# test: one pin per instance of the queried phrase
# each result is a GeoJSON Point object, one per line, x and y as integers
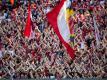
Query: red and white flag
{"type": "Point", "coordinates": [57, 19]}
{"type": "Point", "coordinates": [28, 32]}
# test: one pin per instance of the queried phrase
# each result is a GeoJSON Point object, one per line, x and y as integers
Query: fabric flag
{"type": "Point", "coordinates": [28, 27]}
{"type": "Point", "coordinates": [12, 2]}
{"type": "Point", "coordinates": [58, 19]}
{"type": "Point", "coordinates": [96, 32]}
{"type": "Point", "coordinates": [3, 2]}
{"type": "Point", "coordinates": [69, 19]}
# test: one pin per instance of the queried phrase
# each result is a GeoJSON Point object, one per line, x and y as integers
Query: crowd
{"type": "Point", "coordinates": [44, 56]}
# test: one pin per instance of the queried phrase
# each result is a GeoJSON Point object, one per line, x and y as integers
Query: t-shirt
{"type": "Point", "coordinates": [12, 53]}
{"type": "Point", "coordinates": [1, 54]}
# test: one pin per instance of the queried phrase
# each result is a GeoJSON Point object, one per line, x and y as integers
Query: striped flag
{"type": "Point", "coordinates": [58, 18]}
{"type": "Point", "coordinates": [69, 19]}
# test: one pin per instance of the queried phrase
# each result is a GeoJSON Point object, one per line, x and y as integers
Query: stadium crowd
{"type": "Point", "coordinates": [44, 56]}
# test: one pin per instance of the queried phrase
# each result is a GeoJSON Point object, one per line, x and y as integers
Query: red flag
{"type": "Point", "coordinates": [12, 2]}
{"type": "Point", "coordinates": [58, 22]}
{"type": "Point", "coordinates": [28, 27]}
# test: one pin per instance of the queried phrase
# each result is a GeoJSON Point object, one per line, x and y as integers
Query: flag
{"type": "Point", "coordinates": [58, 19]}
{"type": "Point", "coordinates": [96, 32]}
{"type": "Point", "coordinates": [70, 23]}
{"type": "Point", "coordinates": [3, 2]}
{"type": "Point", "coordinates": [12, 2]}
{"type": "Point", "coordinates": [28, 30]}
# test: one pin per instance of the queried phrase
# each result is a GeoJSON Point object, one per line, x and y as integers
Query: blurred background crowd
{"type": "Point", "coordinates": [44, 56]}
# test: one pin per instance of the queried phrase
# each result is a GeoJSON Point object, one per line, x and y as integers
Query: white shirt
{"type": "Point", "coordinates": [82, 45]}
{"type": "Point", "coordinates": [1, 54]}
{"type": "Point", "coordinates": [11, 53]}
